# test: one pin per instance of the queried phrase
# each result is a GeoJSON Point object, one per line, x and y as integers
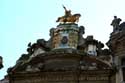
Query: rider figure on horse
{"type": "Point", "coordinates": [68, 17]}
{"type": "Point", "coordinates": [67, 12]}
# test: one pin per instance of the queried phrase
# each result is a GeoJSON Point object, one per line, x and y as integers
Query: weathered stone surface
{"type": "Point", "coordinates": [101, 76]}
{"type": "Point", "coordinates": [67, 57]}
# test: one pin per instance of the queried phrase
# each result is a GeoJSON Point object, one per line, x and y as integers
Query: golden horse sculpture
{"type": "Point", "coordinates": [71, 19]}
{"type": "Point", "coordinates": [68, 17]}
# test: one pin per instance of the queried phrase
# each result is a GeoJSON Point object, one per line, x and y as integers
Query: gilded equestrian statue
{"type": "Point", "coordinates": [68, 17]}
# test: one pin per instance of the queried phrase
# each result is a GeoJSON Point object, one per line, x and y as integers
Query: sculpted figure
{"type": "Point", "coordinates": [81, 40]}
{"type": "Point", "coordinates": [115, 23]}
{"type": "Point", "coordinates": [68, 17]}
{"type": "Point", "coordinates": [51, 32]}
{"type": "Point", "coordinates": [81, 31]}
{"type": "Point", "coordinates": [67, 12]}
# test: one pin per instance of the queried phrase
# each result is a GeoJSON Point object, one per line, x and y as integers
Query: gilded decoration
{"type": "Point", "coordinates": [68, 17]}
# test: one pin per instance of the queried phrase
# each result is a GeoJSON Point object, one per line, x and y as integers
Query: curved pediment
{"type": "Point", "coordinates": [63, 60]}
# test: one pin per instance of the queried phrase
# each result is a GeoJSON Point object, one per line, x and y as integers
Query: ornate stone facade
{"type": "Point", "coordinates": [117, 47]}
{"type": "Point", "coordinates": [67, 57]}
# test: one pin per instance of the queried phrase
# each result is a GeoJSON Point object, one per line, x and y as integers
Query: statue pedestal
{"type": "Point", "coordinates": [65, 36]}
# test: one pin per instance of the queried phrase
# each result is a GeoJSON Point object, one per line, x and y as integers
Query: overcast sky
{"type": "Point", "coordinates": [24, 21]}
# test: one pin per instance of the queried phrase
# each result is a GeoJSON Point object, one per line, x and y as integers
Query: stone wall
{"type": "Point", "coordinates": [64, 77]}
